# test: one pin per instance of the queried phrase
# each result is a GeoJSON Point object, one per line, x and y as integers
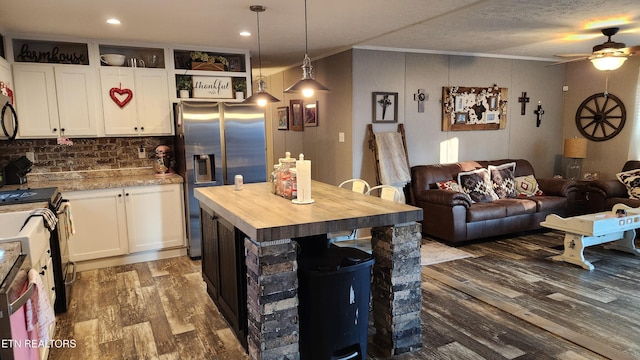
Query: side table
{"type": "Point", "coordinates": [581, 203]}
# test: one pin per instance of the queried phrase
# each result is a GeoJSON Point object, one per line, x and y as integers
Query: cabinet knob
{"type": "Point", "coordinates": [54, 130]}
{"type": "Point", "coordinates": [135, 128]}
{"type": "Point", "coordinates": [127, 194]}
{"type": "Point", "coordinates": [53, 288]}
{"type": "Point", "coordinates": [44, 267]}
{"type": "Point", "coordinates": [62, 130]}
{"type": "Point", "coordinates": [119, 195]}
{"type": "Point", "coordinates": [142, 128]}
{"type": "Point", "coordinates": [41, 272]}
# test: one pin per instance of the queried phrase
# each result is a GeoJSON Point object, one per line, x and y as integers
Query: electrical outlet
{"type": "Point", "coordinates": [31, 156]}
{"type": "Point", "coordinates": [142, 153]}
{"type": "Point", "coordinates": [340, 137]}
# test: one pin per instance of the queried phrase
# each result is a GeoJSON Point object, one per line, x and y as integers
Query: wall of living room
{"type": "Point", "coordinates": [331, 159]}
{"type": "Point", "coordinates": [405, 73]}
{"type": "Point", "coordinates": [606, 157]}
{"type": "Point", "coordinates": [355, 74]}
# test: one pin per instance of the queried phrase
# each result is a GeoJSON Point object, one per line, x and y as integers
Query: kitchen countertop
{"type": "Point", "coordinates": [9, 253]}
{"type": "Point", "coordinates": [99, 179]}
{"type": "Point", "coordinates": [264, 216]}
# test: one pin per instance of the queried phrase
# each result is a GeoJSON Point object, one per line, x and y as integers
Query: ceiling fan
{"type": "Point", "coordinates": [609, 55]}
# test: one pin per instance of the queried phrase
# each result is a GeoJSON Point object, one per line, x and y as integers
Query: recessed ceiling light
{"type": "Point", "coordinates": [113, 21]}
{"type": "Point", "coordinates": [245, 33]}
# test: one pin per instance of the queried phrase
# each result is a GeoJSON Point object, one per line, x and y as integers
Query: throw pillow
{"type": "Point", "coordinates": [477, 184]}
{"type": "Point", "coordinates": [449, 185]}
{"type": "Point", "coordinates": [503, 180]}
{"type": "Point", "coordinates": [527, 186]}
{"type": "Point", "coordinates": [631, 179]}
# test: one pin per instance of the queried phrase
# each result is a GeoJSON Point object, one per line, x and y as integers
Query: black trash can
{"type": "Point", "coordinates": [334, 294]}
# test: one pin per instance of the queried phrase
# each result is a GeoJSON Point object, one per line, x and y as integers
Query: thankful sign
{"type": "Point", "coordinates": [212, 87]}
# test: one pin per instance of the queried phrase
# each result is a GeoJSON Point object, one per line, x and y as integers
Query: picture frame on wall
{"type": "Point", "coordinates": [296, 115]}
{"type": "Point", "coordinates": [385, 107]}
{"type": "Point", "coordinates": [283, 118]}
{"type": "Point", "coordinates": [311, 115]}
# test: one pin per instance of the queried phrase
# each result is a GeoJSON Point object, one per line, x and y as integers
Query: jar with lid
{"type": "Point", "coordinates": [282, 178]}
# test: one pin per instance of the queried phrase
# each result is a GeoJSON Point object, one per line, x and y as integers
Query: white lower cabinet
{"type": "Point", "coordinates": [155, 217]}
{"type": "Point", "coordinates": [121, 221]}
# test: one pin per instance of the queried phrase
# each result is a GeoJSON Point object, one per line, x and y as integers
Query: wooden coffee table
{"type": "Point", "coordinates": [593, 229]}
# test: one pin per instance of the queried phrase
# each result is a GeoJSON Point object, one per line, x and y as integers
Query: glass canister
{"type": "Point", "coordinates": [282, 179]}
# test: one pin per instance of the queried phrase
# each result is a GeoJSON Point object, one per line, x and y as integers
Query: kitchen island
{"type": "Point", "coordinates": [270, 226]}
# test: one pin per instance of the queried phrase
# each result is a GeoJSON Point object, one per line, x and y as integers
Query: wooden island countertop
{"type": "Point", "coordinates": [264, 216]}
{"type": "Point", "coordinates": [271, 225]}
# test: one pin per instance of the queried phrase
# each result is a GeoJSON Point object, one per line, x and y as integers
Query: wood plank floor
{"type": "Point", "coordinates": [510, 301]}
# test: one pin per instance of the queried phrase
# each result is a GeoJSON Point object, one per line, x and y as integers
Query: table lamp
{"type": "Point", "coordinates": [574, 149]}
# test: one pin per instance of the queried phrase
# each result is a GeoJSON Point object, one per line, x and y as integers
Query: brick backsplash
{"type": "Point", "coordinates": [84, 154]}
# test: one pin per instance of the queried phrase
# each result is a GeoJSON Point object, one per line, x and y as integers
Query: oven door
{"type": "Point", "coordinates": [66, 275]}
{"type": "Point", "coordinates": [13, 296]}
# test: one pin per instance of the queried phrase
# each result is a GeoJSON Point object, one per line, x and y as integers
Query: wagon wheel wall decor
{"type": "Point", "coordinates": [601, 117]}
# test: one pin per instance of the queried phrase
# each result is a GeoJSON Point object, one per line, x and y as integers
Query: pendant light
{"type": "Point", "coordinates": [261, 96]}
{"type": "Point", "coordinates": [307, 85]}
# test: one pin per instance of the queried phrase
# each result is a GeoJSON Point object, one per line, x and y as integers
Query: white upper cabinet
{"type": "Point", "coordinates": [135, 101]}
{"type": "Point", "coordinates": [56, 100]}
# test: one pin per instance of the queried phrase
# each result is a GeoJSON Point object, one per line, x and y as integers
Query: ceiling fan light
{"type": "Point", "coordinates": [607, 63]}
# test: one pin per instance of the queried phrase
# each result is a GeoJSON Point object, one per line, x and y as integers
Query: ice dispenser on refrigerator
{"type": "Point", "coordinates": [202, 168]}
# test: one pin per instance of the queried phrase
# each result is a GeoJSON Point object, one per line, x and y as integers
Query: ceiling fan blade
{"type": "Point", "coordinates": [572, 55]}
{"type": "Point", "coordinates": [632, 49]}
{"type": "Point", "coordinates": [568, 61]}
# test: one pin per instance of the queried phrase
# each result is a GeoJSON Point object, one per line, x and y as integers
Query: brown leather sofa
{"type": "Point", "coordinates": [451, 216]}
{"type": "Point", "coordinates": [603, 194]}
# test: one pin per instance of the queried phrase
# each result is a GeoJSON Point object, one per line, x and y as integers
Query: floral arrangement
{"type": "Point", "coordinates": [206, 58]}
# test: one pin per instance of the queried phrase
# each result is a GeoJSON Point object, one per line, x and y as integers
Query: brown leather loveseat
{"type": "Point", "coordinates": [603, 194]}
{"type": "Point", "coordinates": [453, 217]}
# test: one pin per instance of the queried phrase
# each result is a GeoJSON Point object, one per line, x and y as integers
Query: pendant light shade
{"type": "Point", "coordinates": [307, 85]}
{"type": "Point", "coordinates": [261, 96]}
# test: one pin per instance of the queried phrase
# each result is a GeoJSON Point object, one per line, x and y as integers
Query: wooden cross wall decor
{"type": "Point", "coordinates": [523, 100]}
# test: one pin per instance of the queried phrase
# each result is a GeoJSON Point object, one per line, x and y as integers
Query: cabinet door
{"type": "Point", "coordinates": [155, 217]}
{"type": "Point", "coordinates": [77, 92]}
{"type": "Point", "coordinates": [45, 268]}
{"type": "Point", "coordinates": [36, 102]}
{"type": "Point", "coordinates": [100, 221]}
{"type": "Point", "coordinates": [119, 120]}
{"type": "Point", "coordinates": [228, 296]}
{"type": "Point", "coordinates": [210, 255]}
{"type": "Point", "coordinates": [152, 100]}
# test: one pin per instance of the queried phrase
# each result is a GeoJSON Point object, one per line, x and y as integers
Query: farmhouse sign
{"type": "Point", "coordinates": [212, 87]}
{"type": "Point", "coordinates": [51, 52]}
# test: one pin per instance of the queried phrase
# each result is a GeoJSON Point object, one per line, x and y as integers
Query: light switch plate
{"type": "Point", "coordinates": [340, 137]}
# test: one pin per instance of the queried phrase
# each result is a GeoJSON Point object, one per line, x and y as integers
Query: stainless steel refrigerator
{"type": "Point", "coordinates": [214, 142]}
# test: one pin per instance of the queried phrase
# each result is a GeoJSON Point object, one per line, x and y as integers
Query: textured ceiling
{"type": "Point", "coordinates": [511, 28]}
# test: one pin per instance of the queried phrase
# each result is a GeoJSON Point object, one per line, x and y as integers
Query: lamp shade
{"type": "Point", "coordinates": [575, 148]}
